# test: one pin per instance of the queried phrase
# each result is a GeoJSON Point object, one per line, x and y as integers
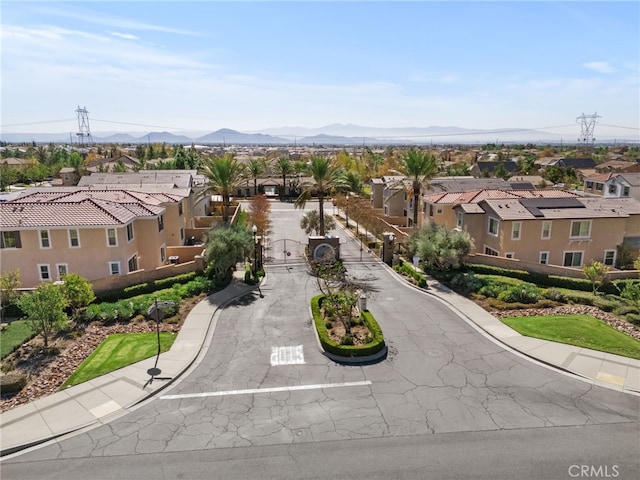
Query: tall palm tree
{"type": "Point", "coordinates": [284, 168]}
{"type": "Point", "coordinates": [325, 177]}
{"type": "Point", "coordinates": [225, 174]}
{"type": "Point", "coordinates": [255, 168]}
{"type": "Point", "coordinates": [420, 167]}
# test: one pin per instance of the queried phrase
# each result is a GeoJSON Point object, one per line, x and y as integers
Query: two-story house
{"type": "Point", "coordinates": [94, 233]}
{"type": "Point", "coordinates": [613, 185]}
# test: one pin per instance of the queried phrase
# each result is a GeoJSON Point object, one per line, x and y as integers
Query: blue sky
{"type": "Point", "coordinates": [251, 65]}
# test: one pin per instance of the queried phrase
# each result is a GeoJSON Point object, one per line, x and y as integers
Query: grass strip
{"type": "Point", "coordinates": [117, 351]}
{"type": "Point", "coordinates": [579, 330]}
{"type": "Point", "coordinates": [14, 335]}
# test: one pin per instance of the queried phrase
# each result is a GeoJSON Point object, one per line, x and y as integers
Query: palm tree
{"type": "Point", "coordinates": [284, 168]}
{"type": "Point", "coordinates": [255, 168]}
{"type": "Point", "coordinates": [325, 177]}
{"type": "Point", "coordinates": [420, 167]}
{"type": "Point", "coordinates": [225, 175]}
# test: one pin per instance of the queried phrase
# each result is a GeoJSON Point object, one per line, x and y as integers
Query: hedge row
{"type": "Point", "coordinates": [329, 345]}
{"type": "Point", "coordinates": [147, 287]}
{"type": "Point", "coordinates": [544, 280]}
{"type": "Point", "coordinates": [409, 271]}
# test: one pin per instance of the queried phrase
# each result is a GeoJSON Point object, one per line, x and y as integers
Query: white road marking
{"type": "Point", "coordinates": [251, 391]}
{"type": "Point", "coordinates": [287, 355]}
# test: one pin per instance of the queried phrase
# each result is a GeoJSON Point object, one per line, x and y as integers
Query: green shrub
{"type": "Point", "coordinates": [524, 293]}
{"type": "Point", "coordinates": [347, 340]}
{"type": "Point", "coordinates": [467, 282]}
{"type": "Point", "coordinates": [329, 345]}
{"type": "Point", "coordinates": [555, 294]}
{"type": "Point", "coordinates": [605, 305]}
{"type": "Point", "coordinates": [406, 269]}
{"type": "Point", "coordinates": [623, 310]}
{"type": "Point", "coordinates": [633, 318]}
{"type": "Point", "coordinates": [491, 290]}
{"type": "Point", "coordinates": [145, 288]}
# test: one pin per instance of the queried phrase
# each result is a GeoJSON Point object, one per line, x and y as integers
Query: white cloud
{"type": "Point", "coordinates": [126, 36]}
{"type": "Point", "coordinates": [600, 67]}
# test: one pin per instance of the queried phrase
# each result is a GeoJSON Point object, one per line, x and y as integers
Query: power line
{"type": "Point", "coordinates": [619, 126]}
{"type": "Point", "coordinates": [36, 123]}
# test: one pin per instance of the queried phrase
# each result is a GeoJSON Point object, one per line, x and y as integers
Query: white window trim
{"type": "Point", "coordinates": [513, 230]}
{"type": "Point", "coordinates": [497, 220]}
{"type": "Point", "coordinates": [40, 265]}
{"type": "Point", "coordinates": [459, 220]}
{"type": "Point", "coordinates": [116, 237]}
{"type": "Point", "coordinates": [163, 249]}
{"type": "Point", "coordinates": [511, 255]}
{"type": "Point", "coordinates": [484, 250]}
{"type": "Point", "coordinates": [580, 237]}
{"type": "Point", "coordinates": [119, 269]}
{"type": "Point", "coordinates": [78, 237]}
{"type": "Point", "coordinates": [133, 232]}
{"type": "Point", "coordinates": [137, 262]}
{"type": "Point", "coordinates": [546, 253]}
{"type": "Point", "coordinates": [581, 252]}
{"type": "Point", "coordinates": [604, 257]}
{"type": "Point", "coordinates": [66, 269]}
{"type": "Point", "coordinates": [48, 238]}
{"type": "Point", "coordinates": [542, 237]}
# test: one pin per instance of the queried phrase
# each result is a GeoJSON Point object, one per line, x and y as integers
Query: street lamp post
{"type": "Point", "coordinates": [347, 208]}
{"type": "Point", "coordinates": [254, 229]}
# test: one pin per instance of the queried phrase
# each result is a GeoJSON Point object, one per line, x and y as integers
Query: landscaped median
{"type": "Point", "coordinates": [372, 351]}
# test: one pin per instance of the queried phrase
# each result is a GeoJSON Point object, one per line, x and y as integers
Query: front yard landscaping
{"type": "Point", "coordinates": [579, 330]}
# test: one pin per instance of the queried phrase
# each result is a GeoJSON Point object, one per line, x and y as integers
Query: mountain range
{"type": "Point", "coordinates": [335, 134]}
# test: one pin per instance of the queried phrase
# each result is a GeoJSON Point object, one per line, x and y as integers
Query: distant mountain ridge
{"type": "Point", "coordinates": [334, 134]}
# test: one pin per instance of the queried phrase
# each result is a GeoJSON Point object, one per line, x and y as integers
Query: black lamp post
{"type": "Point", "coordinates": [254, 229]}
{"type": "Point", "coordinates": [347, 208]}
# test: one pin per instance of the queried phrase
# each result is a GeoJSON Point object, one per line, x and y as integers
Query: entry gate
{"type": "Point", "coordinates": [285, 250]}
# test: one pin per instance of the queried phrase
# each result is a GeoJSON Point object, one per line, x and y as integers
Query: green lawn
{"type": "Point", "coordinates": [117, 351]}
{"type": "Point", "coordinates": [13, 335]}
{"type": "Point", "coordinates": [580, 330]}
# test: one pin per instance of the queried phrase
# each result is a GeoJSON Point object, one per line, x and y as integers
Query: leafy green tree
{"type": "Point", "coordinates": [596, 273]}
{"type": "Point", "coordinates": [44, 310]}
{"type": "Point", "coordinates": [325, 177]}
{"type": "Point", "coordinates": [310, 222]}
{"type": "Point", "coordinates": [9, 284]}
{"type": "Point", "coordinates": [420, 167]}
{"type": "Point", "coordinates": [631, 292]}
{"type": "Point", "coordinates": [225, 246]}
{"type": "Point", "coordinates": [180, 158]}
{"type": "Point", "coordinates": [193, 157]}
{"type": "Point", "coordinates": [77, 292]}
{"type": "Point", "coordinates": [501, 172]}
{"type": "Point", "coordinates": [8, 176]}
{"type": "Point", "coordinates": [225, 174]}
{"type": "Point", "coordinates": [353, 182]}
{"type": "Point", "coordinates": [440, 248]}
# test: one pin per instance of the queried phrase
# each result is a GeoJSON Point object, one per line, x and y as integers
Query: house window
{"type": "Point", "coordinates": [494, 225]}
{"type": "Point", "coordinates": [590, 185]}
{"type": "Point", "coordinates": [180, 207]}
{"type": "Point", "coordinates": [112, 237]}
{"type": "Point", "coordinates": [130, 232]}
{"type": "Point", "coordinates": [43, 270]}
{"type": "Point", "coordinates": [161, 223]}
{"type": "Point", "coordinates": [599, 187]}
{"type": "Point", "coordinates": [10, 240]}
{"type": "Point", "coordinates": [181, 233]}
{"type": "Point", "coordinates": [490, 251]}
{"type": "Point", "coordinates": [45, 241]}
{"type": "Point", "coordinates": [613, 189]}
{"type": "Point", "coordinates": [509, 255]}
{"type": "Point", "coordinates": [516, 229]}
{"type": "Point", "coordinates": [439, 210]}
{"type": "Point", "coordinates": [460, 220]}
{"type": "Point", "coordinates": [74, 238]}
{"type": "Point", "coordinates": [580, 229]}
{"type": "Point", "coordinates": [572, 259]}
{"type": "Point", "coordinates": [61, 270]}
{"type": "Point", "coordinates": [163, 254]}
{"type": "Point", "coordinates": [431, 210]}
{"type": "Point", "coordinates": [625, 191]}
{"type": "Point", "coordinates": [546, 230]}
{"type": "Point", "coordinates": [609, 257]}
{"type": "Point", "coordinates": [114, 268]}
{"type": "Point", "coordinates": [132, 263]}
{"type": "Point", "coordinates": [544, 258]}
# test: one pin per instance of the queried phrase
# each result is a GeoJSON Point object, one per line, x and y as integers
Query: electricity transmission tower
{"type": "Point", "coordinates": [84, 132]}
{"type": "Point", "coordinates": [587, 124]}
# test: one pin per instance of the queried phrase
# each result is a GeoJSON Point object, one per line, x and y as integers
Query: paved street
{"type": "Point", "coordinates": [262, 400]}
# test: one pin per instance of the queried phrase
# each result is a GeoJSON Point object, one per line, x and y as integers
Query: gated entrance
{"type": "Point", "coordinates": [285, 250]}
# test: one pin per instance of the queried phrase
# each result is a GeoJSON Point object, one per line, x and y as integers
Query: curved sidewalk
{"type": "Point", "coordinates": [108, 397]}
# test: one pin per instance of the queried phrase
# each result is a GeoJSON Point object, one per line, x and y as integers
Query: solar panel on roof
{"type": "Point", "coordinates": [535, 205]}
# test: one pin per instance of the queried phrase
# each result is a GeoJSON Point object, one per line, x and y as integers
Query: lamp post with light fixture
{"type": "Point", "coordinates": [347, 208]}
{"type": "Point", "coordinates": [254, 229]}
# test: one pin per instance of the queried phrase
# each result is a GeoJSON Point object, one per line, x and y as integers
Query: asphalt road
{"type": "Point", "coordinates": [263, 402]}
